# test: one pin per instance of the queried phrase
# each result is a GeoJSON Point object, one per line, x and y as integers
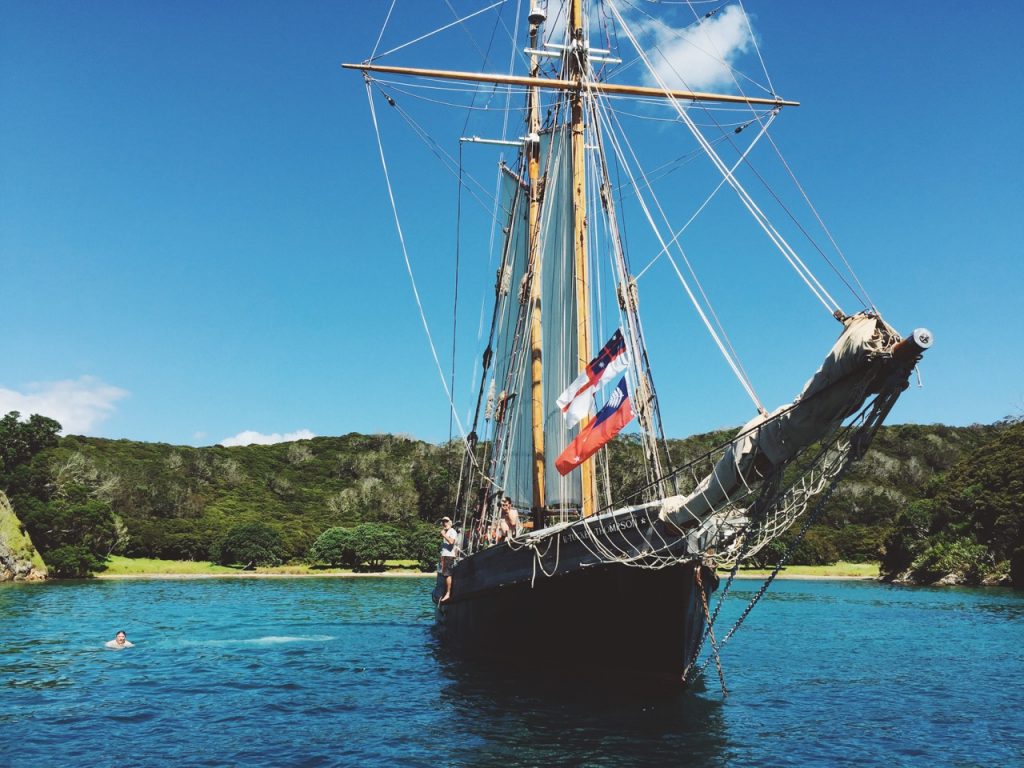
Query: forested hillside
{"type": "Point", "coordinates": [175, 502]}
{"type": "Point", "coordinates": [966, 525]}
{"type": "Point", "coordinates": [919, 487]}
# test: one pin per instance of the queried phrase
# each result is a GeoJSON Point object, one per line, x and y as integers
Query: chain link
{"type": "Point", "coordinates": [859, 444]}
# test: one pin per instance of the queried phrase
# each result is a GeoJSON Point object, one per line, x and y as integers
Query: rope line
{"type": "Point", "coordinates": [380, 36]}
{"type": "Point", "coordinates": [733, 363]}
{"type": "Point", "coordinates": [408, 265]}
{"type": "Point", "coordinates": [805, 274]}
{"type": "Point", "coordinates": [436, 31]}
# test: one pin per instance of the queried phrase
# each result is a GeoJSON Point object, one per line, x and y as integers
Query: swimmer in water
{"type": "Point", "coordinates": [120, 641]}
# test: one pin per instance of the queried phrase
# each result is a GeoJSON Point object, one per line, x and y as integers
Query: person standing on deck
{"type": "Point", "coordinates": [449, 548]}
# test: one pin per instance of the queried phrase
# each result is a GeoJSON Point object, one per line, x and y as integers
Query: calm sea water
{"type": "Point", "coordinates": [310, 672]}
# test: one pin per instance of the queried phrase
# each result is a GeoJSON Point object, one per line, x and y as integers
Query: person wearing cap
{"type": "Point", "coordinates": [449, 548]}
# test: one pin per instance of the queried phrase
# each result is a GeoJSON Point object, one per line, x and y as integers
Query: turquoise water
{"type": "Point", "coordinates": [321, 672]}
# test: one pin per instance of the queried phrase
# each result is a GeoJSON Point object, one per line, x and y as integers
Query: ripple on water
{"type": "Point", "coordinates": [345, 672]}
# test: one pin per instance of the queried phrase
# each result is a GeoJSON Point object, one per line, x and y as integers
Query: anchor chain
{"type": "Point", "coordinates": [711, 631]}
{"type": "Point", "coordinates": [859, 444]}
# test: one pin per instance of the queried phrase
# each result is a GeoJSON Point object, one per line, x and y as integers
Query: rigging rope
{"type": "Point", "coordinates": [408, 265]}
{"type": "Point", "coordinates": [380, 36]}
{"type": "Point", "coordinates": [737, 369]}
{"type": "Point", "coordinates": [757, 48]}
{"type": "Point", "coordinates": [440, 29]}
{"type": "Point", "coordinates": [861, 297]}
{"type": "Point", "coordinates": [455, 300]}
{"type": "Point", "coordinates": [805, 274]}
{"type": "Point", "coordinates": [707, 201]}
{"type": "Point", "coordinates": [450, 164]}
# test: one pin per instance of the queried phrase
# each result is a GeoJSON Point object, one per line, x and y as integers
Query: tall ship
{"type": "Point", "coordinates": [583, 541]}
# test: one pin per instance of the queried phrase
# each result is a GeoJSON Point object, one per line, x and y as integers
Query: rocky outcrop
{"type": "Point", "coordinates": [1001, 577]}
{"type": "Point", "coordinates": [19, 560]}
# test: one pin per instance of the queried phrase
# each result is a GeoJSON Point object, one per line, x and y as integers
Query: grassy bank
{"type": "Point", "coordinates": [15, 538]}
{"type": "Point", "coordinates": [144, 566]}
{"type": "Point", "coordinates": [840, 570]}
{"type": "Point", "coordinates": [147, 566]}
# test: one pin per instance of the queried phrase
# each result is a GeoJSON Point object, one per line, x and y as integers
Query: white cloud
{"type": "Point", "coordinates": [249, 437]}
{"type": "Point", "coordinates": [78, 404]}
{"type": "Point", "coordinates": [698, 57]}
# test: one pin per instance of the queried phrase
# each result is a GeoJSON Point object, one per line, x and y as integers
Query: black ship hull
{"type": "Point", "coordinates": [573, 609]}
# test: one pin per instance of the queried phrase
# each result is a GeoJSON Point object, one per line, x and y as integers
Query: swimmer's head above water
{"type": "Point", "coordinates": [120, 640]}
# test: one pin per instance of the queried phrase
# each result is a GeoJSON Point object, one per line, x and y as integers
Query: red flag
{"type": "Point", "coordinates": [616, 414]}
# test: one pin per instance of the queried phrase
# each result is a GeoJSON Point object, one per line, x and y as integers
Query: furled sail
{"type": "Point", "coordinates": [514, 449]}
{"type": "Point", "coordinates": [768, 441]}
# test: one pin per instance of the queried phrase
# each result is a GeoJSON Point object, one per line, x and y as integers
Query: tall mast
{"type": "Point", "coordinates": [575, 81]}
{"type": "Point", "coordinates": [536, 18]}
{"type": "Point", "coordinates": [576, 66]}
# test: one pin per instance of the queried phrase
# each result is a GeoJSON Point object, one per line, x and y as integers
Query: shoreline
{"type": "Point", "coordinates": [403, 575]}
{"type": "Point", "coordinates": [258, 575]}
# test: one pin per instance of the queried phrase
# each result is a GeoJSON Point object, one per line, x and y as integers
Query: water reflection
{"type": "Point", "coordinates": [503, 716]}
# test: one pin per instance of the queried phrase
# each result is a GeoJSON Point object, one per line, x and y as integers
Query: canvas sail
{"type": "Point", "coordinates": [511, 412]}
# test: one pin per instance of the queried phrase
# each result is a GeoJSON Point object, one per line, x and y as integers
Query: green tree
{"type": "Point", "coordinates": [335, 546]}
{"type": "Point", "coordinates": [252, 543]}
{"type": "Point", "coordinates": [966, 561]}
{"type": "Point", "coordinates": [907, 539]}
{"type": "Point", "coordinates": [377, 500]}
{"type": "Point", "coordinates": [65, 527]}
{"type": "Point", "coordinates": [21, 440]}
{"type": "Point", "coordinates": [374, 543]}
{"type": "Point", "coordinates": [72, 562]}
{"type": "Point", "coordinates": [972, 522]}
{"type": "Point", "coordinates": [423, 544]}
{"type": "Point", "coordinates": [815, 549]}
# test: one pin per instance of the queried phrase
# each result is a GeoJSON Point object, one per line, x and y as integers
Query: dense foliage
{"type": "Point", "coordinates": [334, 547]}
{"type": "Point", "coordinates": [366, 545]}
{"type": "Point", "coordinates": [925, 500]}
{"type": "Point", "coordinates": [969, 524]}
{"type": "Point", "coordinates": [250, 544]}
{"type": "Point", "coordinates": [73, 529]}
{"type": "Point", "coordinates": [854, 525]}
{"type": "Point", "coordinates": [179, 502]}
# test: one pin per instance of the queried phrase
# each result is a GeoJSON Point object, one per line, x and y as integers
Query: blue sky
{"type": "Point", "coordinates": [196, 241]}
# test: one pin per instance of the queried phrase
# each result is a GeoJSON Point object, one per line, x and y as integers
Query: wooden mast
{"type": "Point", "coordinates": [576, 66]}
{"type": "Point", "coordinates": [576, 69]}
{"type": "Point", "coordinates": [534, 267]}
